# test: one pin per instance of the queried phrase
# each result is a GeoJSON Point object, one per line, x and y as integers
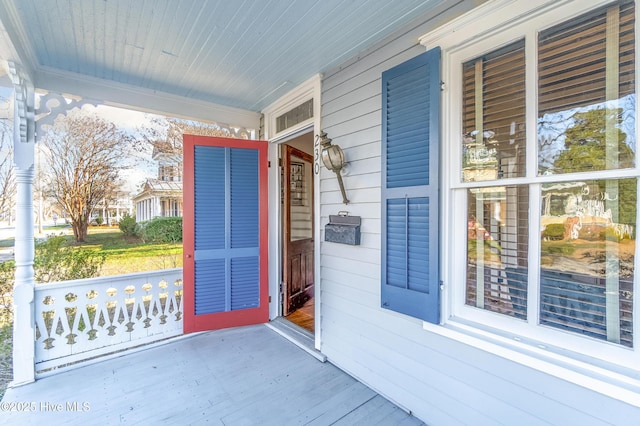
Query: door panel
{"type": "Point", "coordinates": [224, 233]}
{"type": "Point", "coordinates": [298, 226]}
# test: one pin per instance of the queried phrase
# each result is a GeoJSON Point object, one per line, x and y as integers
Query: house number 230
{"type": "Point", "coordinates": [316, 156]}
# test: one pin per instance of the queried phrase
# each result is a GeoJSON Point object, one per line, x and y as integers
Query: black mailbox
{"type": "Point", "coordinates": [343, 229]}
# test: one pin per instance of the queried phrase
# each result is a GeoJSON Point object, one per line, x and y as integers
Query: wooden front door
{"type": "Point", "coordinates": [224, 233]}
{"type": "Point", "coordinates": [298, 268]}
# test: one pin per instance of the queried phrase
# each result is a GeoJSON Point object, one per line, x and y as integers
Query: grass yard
{"type": "Point", "coordinates": [124, 255]}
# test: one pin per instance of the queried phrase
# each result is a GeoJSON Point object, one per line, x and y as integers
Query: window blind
{"type": "Point", "coordinates": [586, 85]}
{"type": "Point", "coordinates": [494, 115]}
{"type": "Point", "coordinates": [586, 122]}
{"type": "Point", "coordinates": [497, 240]}
{"type": "Point", "coordinates": [572, 60]}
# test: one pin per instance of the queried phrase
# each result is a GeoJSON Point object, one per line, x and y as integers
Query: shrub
{"type": "Point", "coordinates": [553, 231]}
{"type": "Point", "coordinates": [99, 220]}
{"type": "Point", "coordinates": [55, 261]}
{"type": "Point", "coordinates": [163, 230]}
{"type": "Point", "coordinates": [7, 271]}
{"type": "Point", "coordinates": [128, 226]}
{"type": "Point", "coordinates": [610, 234]}
{"type": "Point", "coordinates": [563, 249]}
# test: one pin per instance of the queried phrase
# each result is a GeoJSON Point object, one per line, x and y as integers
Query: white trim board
{"type": "Point", "coordinates": [137, 98]}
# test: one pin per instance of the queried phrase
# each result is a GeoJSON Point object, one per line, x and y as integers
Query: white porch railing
{"type": "Point", "coordinates": [81, 319]}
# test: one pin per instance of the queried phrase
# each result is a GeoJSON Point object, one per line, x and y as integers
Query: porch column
{"type": "Point", "coordinates": [23, 291]}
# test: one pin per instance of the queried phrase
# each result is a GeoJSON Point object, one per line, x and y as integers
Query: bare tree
{"type": "Point", "coordinates": [7, 180]}
{"type": "Point", "coordinates": [165, 134]}
{"type": "Point", "coordinates": [40, 189]}
{"type": "Point", "coordinates": [7, 184]}
{"type": "Point", "coordinates": [84, 155]}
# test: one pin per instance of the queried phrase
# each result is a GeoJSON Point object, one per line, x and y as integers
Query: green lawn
{"type": "Point", "coordinates": [126, 255]}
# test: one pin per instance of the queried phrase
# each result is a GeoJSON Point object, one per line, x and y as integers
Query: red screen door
{"type": "Point", "coordinates": [224, 233]}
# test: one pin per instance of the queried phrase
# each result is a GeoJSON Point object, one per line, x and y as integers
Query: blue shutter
{"type": "Point", "coordinates": [226, 222]}
{"type": "Point", "coordinates": [245, 228]}
{"type": "Point", "coordinates": [410, 187]}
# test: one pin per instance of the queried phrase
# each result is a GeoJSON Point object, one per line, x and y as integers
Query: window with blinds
{"type": "Point", "coordinates": [586, 123]}
{"type": "Point", "coordinates": [497, 240]}
{"type": "Point", "coordinates": [582, 269]}
{"type": "Point", "coordinates": [493, 115]}
{"type": "Point", "coordinates": [587, 257]}
{"type": "Point", "coordinates": [493, 118]}
{"type": "Point", "coordinates": [586, 92]}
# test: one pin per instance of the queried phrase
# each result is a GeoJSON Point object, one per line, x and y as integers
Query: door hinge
{"type": "Point", "coordinates": [280, 162]}
{"type": "Point", "coordinates": [269, 164]}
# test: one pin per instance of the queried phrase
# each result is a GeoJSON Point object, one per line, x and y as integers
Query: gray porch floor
{"type": "Point", "coordinates": [241, 376]}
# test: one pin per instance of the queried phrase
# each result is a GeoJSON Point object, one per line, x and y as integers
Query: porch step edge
{"type": "Point", "coordinates": [297, 336]}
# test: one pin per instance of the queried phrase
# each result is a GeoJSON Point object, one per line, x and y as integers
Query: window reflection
{"type": "Point", "coordinates": [493, 116]}
{"type": "Point", "coordinates": [587, 139]}
{"type": "Point", "coordinates": [497, 235]}
{"type": "Point", "coordinates": [586, 114]}
{"type": "Point", "coordinates": [586, 93]}
{"type": "Point", "coordinates": [587, 257]}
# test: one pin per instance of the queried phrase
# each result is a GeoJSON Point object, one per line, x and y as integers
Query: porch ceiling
{"type": "Point", "coordinates": [242, 54]}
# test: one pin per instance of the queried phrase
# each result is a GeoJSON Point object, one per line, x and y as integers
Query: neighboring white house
{"type": "Point", "coordinates": [161, 197]}
{"type": "Point", "coordinates": [112, 210]}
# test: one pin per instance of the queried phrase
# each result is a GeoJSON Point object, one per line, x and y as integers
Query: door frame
{"type": "Point", "coordinates": [276, 229]}
{"type": "Point", "coordinates": [311, 89]}
{"type": "Point", "coordinates": [289, 151]}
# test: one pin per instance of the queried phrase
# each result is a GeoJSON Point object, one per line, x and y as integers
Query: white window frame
{"type": "Point", "coordinates": [608, 368]}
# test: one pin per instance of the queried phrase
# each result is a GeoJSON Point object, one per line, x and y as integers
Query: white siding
{"type": "Point", "coordinates": [440, 380]}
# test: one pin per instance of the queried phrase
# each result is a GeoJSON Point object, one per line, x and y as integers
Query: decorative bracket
{"type": "Point", "coordinates": [24, 116]}
{"type": "Point", "coordinates": [53, 105]}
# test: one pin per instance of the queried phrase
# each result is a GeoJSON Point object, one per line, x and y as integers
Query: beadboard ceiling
{"type": "Point", "coordinates": [237, 53]}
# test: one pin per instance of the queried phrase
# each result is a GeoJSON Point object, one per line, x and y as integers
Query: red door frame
{"type": "Point", "coordinates": [259, 315]}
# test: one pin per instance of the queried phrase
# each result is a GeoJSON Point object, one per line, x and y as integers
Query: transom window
{"type": "Point", "coordinates": [551, 209]}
